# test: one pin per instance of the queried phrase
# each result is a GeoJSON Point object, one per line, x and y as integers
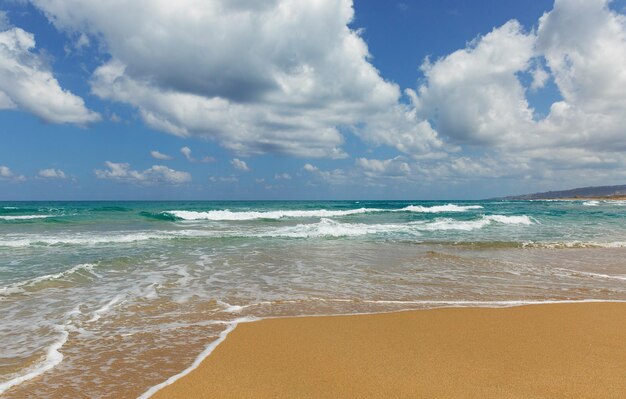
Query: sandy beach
{"type": "Point", "coordinates": [538, 351]}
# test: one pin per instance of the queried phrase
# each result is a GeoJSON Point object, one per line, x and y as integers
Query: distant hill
{"type": "Point", "coordinates": [583, 192]}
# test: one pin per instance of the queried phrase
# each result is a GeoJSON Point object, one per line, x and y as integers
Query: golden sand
{"type": "Point", "coordinates": [538, 351]}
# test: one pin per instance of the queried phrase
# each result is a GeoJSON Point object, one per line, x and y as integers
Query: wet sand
{"type": "Point", "coordinates": [537, 351]}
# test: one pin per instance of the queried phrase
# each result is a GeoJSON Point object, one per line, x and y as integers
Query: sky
{"type": "Point", "coordinates": [319, 99]}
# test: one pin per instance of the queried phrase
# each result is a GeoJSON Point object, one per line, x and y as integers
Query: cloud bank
{"type": "Point", "coordinates": [284, 76]}
{"type": "Point", "coordinates": [292, 77]}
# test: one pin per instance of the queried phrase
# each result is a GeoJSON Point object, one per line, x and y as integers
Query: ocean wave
{"type": "Point", "coordinates": [159, 216]}
{"type": "Point", "coordinates": [25, 217]}
{"type": "Point", "coordinates": [120, 238]}
{"type": "Point", "coordinates": [20, 286]}
{"type": "Point", "coordinates": [440, 208]}
{"type": "Point", "coordinates": [591, 203]}
{"type": "Point", "coordinates": [579, 273]}
{"type": "Point", "coordinates": [331, 228]}
{"type": "Point", "coordinates": [324, 228]}
{"type": "Point", "coordinates": [468, 225]}
{"type": "Point", "coordinates": [111, 208]}
{"type": "Point", "coordinates": [227, 215]}
{"type": "Point", "coordinates": [521, 219]}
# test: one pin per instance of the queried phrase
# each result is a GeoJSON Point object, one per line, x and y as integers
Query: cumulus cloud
{"type": "Point", "coordinates": [283, 76]}
{"type": "Point", "coordinates": [310, 168]}
{"type": "Point", "coordinates": [27, 83]}
{"type": "Point", "coordinates": [475, 97]}
{"type": "Point", "coordinates": [395, 167]}
{"type": "Point", "coordinates": [335, 177]}
{"type": "Point", "coordinates": [52, 174]}
{"type": "Point", "coordinates": [240, 165]}
{"type": "Point", "coordinates": [157, 174]}
{"type": "Point", "coordinates": [186, 151]}
{"type": "Point", "coordinates": [7, 174]}
{"type": "Point", "coordinates": [159, 155]}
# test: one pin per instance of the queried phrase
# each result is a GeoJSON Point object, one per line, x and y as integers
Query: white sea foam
{"type": "Point", "coordinates": [440, 208]}
{"type": "Point", "coordinates": [97, 314]}
{"type": "Point", "coordinates": [205, 353]}
{"type": "Point", "coordinates": [510, 303]}
{"type": "Point", "coordinates": [25, 217]}
{"type": "Point", "coordinates": [225, 215]}
{"type": "Point", "coordinates": [468, 225]}
{"type": "Point", "coordinates": [574, 244]}
{"type": "Point", "coordinates": [522, 219]}
{"type": "Point", "coordinates": [53, 358]}
{"type": "Point", "coordinates": [594, 275]}
{"type": "Point", "coordinates": [331, 228]}
{"type": "Point", "coordinates": [87, 239]}
{"type": "Point", "coordinates": [591, 203]}
{"type": "Point", "coordinates": [10, 207]}
{"type": "Point", "coordinates": [19, 286]}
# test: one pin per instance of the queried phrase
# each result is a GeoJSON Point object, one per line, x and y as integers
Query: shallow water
{"type": "Point", "coordinates": [108, 299]}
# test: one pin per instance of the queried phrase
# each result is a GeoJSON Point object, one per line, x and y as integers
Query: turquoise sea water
{"type": "Point", "coordinates": [107, 299]}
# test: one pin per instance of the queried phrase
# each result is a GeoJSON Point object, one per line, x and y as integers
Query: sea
{"type": "Point", "coordinates": [115, 299]}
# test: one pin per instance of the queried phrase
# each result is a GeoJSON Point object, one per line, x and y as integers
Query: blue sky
{"type": "Point", "coordinates": [309, 100]}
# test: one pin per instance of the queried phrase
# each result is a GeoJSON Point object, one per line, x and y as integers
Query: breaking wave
{"type": "Point", "coordinates": [21, 285]}
{"type": "Point", "coordinates": [223, 215]}
{"type": "Point", "coordinates": [331, 228]}
{"type": "Point", "coordinates": [441, 208]}
{"type": "Point", "coordinates": [227, 215]}
{"type": "Point", "coordinates": [25, 217]}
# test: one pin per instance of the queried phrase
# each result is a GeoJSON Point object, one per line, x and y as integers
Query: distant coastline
{"type": "Point", "coordinates": [594, 198]}
{"type": "Point", "coordinates": [610, 193]}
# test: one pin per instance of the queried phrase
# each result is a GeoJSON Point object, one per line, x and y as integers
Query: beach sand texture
{"type": "Point", "coordinates": [539, 351]}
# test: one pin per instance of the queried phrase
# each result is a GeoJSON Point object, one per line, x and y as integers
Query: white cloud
{"type": "Point", "coordinates": [282, 176]}
{"type": "Point", "coordinates": [394, 167]}
{"type": "Point", "coordinates": [475, 96]}
{"type": "Point", "coordinates": [27, 83]}
{"type": "Point", "coordinates": [310, 168]}
{"type": "Point", "coordinates": [157, 174]}
{"type": "Point", "coordinates": [52, 174]}
{"type": "Point", "coordinates": [276, 76]}
{"type": "Point", "coordinates": [240, 165]}
{"type": "Point", "coordinates": [335, 177]}
{"type": "Point", "coordinates": [540, 77]}
{"type": "Point", "coordinates": [159, 155]}
{"type": "Point", "coordinates": [7, 174]}
{"type": "Point", "coordinates": [186, 151]}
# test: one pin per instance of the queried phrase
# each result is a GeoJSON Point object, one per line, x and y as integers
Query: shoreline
{"type": "Point", "coordinates": [235, 354]}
